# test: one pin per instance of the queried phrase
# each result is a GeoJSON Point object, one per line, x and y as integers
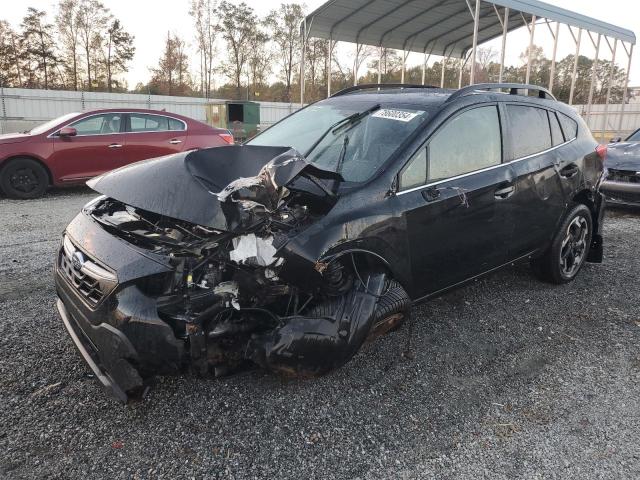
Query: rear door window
{"type": "Point", "coordinates": [139, 122]}
{"type": "Point", "coordinates": [556, 132]}
{"type": "Point", "coordinates": [470, 141]}
{"type": "Point", "coordinates": [529, 130]}
{"type": "Point", "coordinates": [569, 126]}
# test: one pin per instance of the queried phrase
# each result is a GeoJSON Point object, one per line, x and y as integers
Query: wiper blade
{"type": "Point", "coordinates": [351, 119]}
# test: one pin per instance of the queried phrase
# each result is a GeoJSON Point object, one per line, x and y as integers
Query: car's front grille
{"type": "Point", "coordinates": [87, 278]}
{"type": "Point", "coordinates": [628, 176]}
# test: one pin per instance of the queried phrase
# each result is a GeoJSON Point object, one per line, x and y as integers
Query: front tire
{"type": "Point", "coordinates": [24, 178]}
{"type": "Point", "coordinates": [569, 248]}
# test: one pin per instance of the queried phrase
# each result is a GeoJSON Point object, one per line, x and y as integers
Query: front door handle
{"type": "Point", "coordinates": [175, 141]}
{"type": "Point", "coordinates": [569, 171]}
{"type": "Point", "coordinates": [504, 192]}
{"type": "Point", "coordinates": [115, 145]}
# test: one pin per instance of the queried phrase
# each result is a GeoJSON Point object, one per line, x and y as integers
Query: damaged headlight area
{"type": "Point", "coordinates": [232, 295]}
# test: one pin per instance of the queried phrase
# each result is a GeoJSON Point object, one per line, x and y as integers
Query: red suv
{"type": "Point", "coordinates": [77, 146]}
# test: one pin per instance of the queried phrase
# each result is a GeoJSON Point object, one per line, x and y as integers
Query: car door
{"type": "Point", "coordinates": [151, 135]}
{"type": "Point", "coordinates": [455, 195]}
{"type": "Point", "coordinates": [97, 147]}
{"type": "Point", "coordinates": [533, 149]}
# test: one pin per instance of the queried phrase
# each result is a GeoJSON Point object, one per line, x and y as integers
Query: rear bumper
{"type": "Point", "coordinates": [623, 193]}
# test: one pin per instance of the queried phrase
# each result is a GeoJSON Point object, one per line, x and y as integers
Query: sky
{"type": "Point", "coordinates": [150, 20]}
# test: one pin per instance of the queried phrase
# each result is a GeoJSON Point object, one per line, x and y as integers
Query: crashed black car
{"type": "Point", "coordinates": [622, 183]}
{"type": "Point", "coordinates": [292, 250]}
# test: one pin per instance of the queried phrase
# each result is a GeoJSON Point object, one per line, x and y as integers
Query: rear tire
{"type": "Point", "coordinates": [24, 178]}
{"type": "Point", "coordinates": [569, 248]}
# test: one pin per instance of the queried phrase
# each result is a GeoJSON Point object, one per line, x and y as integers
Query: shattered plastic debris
{"type": "Point", "coordinates": [229, 289]}
{"type": "Point", "coordinates": [250, 249]}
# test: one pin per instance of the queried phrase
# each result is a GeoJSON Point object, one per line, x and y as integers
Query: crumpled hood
{"type": "Point", "coordinates": [209, 187]}
{"type": "Point", "coordinates": [8, 138]}
{"type": "Point", "coordinates": [623, 156]}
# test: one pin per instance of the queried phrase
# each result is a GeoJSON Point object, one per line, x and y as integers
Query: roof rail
{"type": "Point", "coordinates": [378, 86]}
{"type": "Point", "coordinates": [513, 90]}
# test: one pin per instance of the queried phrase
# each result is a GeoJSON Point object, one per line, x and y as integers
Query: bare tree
{"type": "Point", "coordinates": [67, 20]}
{"type": "Point", "coordinates": [238, 25]}
{"type": "Point", "coordinates": [285, 28]}
{"type": "Point", "coordinates": [204, 13]}
{"type": "Point", "coordinates": [260, 56]}
{"type": "Point", "coordinates": [169, 77]}
{"type": "Point", "coordinates": [92, 19]}
{"type": "Point", "coordinates": [362, 53]}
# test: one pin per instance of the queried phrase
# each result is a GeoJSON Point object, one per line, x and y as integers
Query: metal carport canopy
{"type": "Point", "coordinates": [441, 27]}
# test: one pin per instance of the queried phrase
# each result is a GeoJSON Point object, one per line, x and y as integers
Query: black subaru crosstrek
{"type": "Point", "coordinates": [292, 250]}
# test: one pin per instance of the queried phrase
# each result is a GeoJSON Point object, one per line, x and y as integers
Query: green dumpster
{"type": "Point", "coordinates": [242, 119]}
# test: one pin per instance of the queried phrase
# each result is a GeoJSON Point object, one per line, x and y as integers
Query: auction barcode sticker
{"type": "Point", "coordinates": [400, 115]}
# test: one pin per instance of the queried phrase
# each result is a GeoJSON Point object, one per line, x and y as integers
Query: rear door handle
{"type": "Point", "coordinates": [174, 141]}
{"type": "Point", "coordinates": [504, 192]}
{"type": "Point", "coordinates": [115, 145]}
{"type": "Point", "coordinates": [569, 171]}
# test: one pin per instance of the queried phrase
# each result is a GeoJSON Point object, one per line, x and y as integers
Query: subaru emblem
{"type": "Point", "coordinates": [77, 260]}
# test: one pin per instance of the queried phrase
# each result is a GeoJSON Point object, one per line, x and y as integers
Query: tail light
{"type": "Point", "coordinates": [227, 137]}
{"type": "Point", "coordinates": [601, 150]}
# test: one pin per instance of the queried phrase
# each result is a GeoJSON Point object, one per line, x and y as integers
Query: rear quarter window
{"type": "Point", "coordinates": [569, 126]}
{"type": "Point", "coordinates": [556, 132]}
{"type": "Point", "coordinates": [529, 130]}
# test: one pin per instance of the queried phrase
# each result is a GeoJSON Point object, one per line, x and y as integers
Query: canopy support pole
{"type": "Point", "coordinates": [355, 63]}
{"type": "Point", "coordinates": [594, 69]}
{"type": "Point", "coordinates": [606, 103]}
{"type": "Point", "coordinates": [626, 87]}
{"type": "Point", "coordinates": [575, 64]}
{"type": "Point", "coordinates": [404, 64]}
{"type": "Point", "coordinates": [304, 54]}
{"type": "Point", "coordinates": [444, 60]}
{"type": "Point", "coordinates": [476, 22]}
{"type": "Point", "coordinates": [531, 33]}
{"type": "Point", "coordinates": [505, 26]}
{"type": "Point", "coordinates": [329, 58]}
{"type": "Point", "coordinates": [380, 65]}
{"type": "Point", "coordinates": [426, 60]}
{"type": "Point", "coordinates": [552, 72]}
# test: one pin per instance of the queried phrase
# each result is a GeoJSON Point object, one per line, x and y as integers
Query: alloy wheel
{"type": "Point", "coordinates": [24, 180]}
{"type": "Point", "coordinates": [574, 246]}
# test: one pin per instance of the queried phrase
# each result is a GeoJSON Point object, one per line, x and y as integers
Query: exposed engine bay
{"type": "Point", "coordinates": [236, 295]}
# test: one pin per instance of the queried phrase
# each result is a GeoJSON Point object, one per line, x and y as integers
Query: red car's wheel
{"type": "Point", "coordinates": [24, 178]}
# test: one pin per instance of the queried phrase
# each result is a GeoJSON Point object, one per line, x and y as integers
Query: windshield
{"type": "Point", "coordinates": [51, 123]}
{"type": "Point", "coordinates": [634, 137]}
{"type": "Point", "coordinates": [356, 147]}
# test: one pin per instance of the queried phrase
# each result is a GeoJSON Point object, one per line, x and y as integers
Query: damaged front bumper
{"type": "Point", "coordinates": [232, 291]}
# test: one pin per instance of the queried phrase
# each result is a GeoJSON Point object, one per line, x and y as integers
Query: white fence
{"type": "Point", "coordinates": [22, 109]}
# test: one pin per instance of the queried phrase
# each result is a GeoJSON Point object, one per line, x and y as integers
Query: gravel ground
{"type": "Point", "coordinates": [510, 378]}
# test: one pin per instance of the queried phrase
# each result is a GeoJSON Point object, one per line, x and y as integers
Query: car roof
{"type": "Point", "coordinates": [434, 97]}
{"type": "Point", "coordinates": [132, 110]}
{"type": "Point", "coordinates": [416, 96]}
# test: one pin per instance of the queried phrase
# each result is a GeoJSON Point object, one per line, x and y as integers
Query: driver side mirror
{"type": "Point", "coordinates": [67, 132]}
{"type": "Point", "coordinates": [615, 140]}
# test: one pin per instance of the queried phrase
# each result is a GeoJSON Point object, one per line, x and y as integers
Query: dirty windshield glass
{"type": "Point", "coordinates": [334, 137]}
